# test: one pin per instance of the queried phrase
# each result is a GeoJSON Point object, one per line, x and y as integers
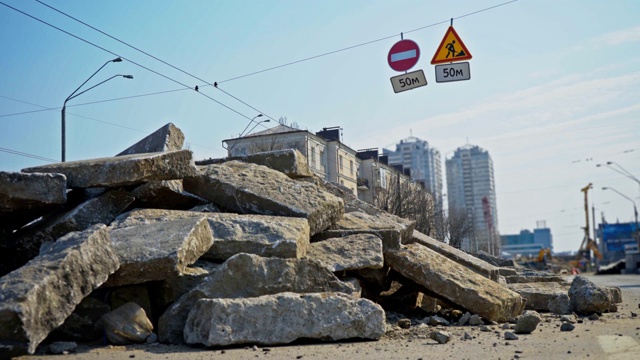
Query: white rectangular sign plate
{"type": "Point", "coordinates": [453, 72]}
{"type": "Point", "coordinates": [408, 81]}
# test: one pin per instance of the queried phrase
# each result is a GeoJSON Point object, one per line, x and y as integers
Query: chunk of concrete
{"type": "Point", "coordinates": [158, 251]}
{"type": "Point", "coordinates": [479, 266]}
{"type": "Point", "coordinates": [544, 296]}
{"type": "Point", "coordinates": [256, 189]}
{"type": "Point", "coordinates": [123, 170]}
{"type": "Point", "coordinates": [38, 297]}
{"type": "Point", "coordinates": [286, 317]}
{"type": "Point", "coordinates": [127, 324]}
{"type": "Point", "coordinates": [166, 194]}
{"type": "Point", "coordinates": [528, 322]}
{"type": "Point", "coordinates": [288, 161]}
{"type": "Point", "coordinates": [392, 234]}
{"type": "Point", "coordinates": [455, 282]}
{"type": "Point", "coordinates": [270, 236]}
{"type": "Point", "coordinates": [20, 191]}
{"type": "Point", "coordinates": [246, 275]}
{"type": "Point", "coordinates": [520, 278]}
{"type": "Point", "coordinates": [587, 298]}
{"type": "Point", "coordinates": [25, 245]}
{"type": "Point", "coordinates": [354, 252]}
{"type": "Point", "coordinates": [167, 138]}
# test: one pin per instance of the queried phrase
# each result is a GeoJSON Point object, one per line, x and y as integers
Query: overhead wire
{"type": "Point", "coordinates": [129, 60]}
{"type": "Point", "coordinates": [215, 85]}
{"type": "Point", "coordinates": [300, 60]}
{"type": "Point", "coordinates": [20, 153]}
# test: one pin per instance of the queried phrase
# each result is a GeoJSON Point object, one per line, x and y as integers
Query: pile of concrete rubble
{"type": "Point", "coordinates": [150, 245]}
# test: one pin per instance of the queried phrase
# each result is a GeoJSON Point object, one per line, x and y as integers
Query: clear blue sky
{"type": "Point", "coordinates": [554, 86]}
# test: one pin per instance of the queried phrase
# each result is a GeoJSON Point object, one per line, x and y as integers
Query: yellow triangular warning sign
{"type": "Point", "coordinates": [451, 49]}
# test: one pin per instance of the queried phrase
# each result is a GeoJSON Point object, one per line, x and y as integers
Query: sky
{"type": "Point", "coordinates": [554, 88]}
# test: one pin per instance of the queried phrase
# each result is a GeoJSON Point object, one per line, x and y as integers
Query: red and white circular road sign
{"type": "Point", "coordinates": [403, 55]}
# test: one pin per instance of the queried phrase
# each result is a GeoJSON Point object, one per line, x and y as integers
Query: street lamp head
{"type": "Point", "coordinates": [598, 165]}
{"type": "Point", "coordinates": [127, 76]}
{"type": "Point", "coordinates": [266, 120]}
{"type": "Point", "coordinates": [609, 162]}
{"type": "Point", "coordinates": [118, 59]}
{"type": "Point", "coordinates": [605, 188]}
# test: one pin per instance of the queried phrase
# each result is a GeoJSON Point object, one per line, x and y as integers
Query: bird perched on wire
{"type": "Point", "coordinates": [215, 84]}
{"type": "Point", "coordinates": [197, 88]}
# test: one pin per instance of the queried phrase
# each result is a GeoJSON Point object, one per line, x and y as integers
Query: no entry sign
{"type": "Point", "coordinates": [403, 55]}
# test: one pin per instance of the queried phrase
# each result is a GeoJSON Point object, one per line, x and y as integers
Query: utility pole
{"type": "Point", "coordinates": [585, 241]}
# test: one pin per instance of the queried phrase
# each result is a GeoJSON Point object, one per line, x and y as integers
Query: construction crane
{"type": "Point", "coordinates": [587, 244]}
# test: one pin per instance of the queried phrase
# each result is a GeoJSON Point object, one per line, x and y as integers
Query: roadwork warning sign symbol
{"type": "Point", "coordinates": [451, 49]}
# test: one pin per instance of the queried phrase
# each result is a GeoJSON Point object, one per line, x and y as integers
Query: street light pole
{"type": "Point", "coordinates": [245, 129]}
{"type": "Point", "coordinates": [73, 95]}
{"type": "Point", "coordinates": [635, 209]}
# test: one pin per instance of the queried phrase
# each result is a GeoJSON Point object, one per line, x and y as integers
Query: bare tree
{"type": "Point", "coordinates": [458, 226]}
{"type": "Point", "coordinates": [407, 200]}
{"type": "Point", "coordinates": [268, 144]}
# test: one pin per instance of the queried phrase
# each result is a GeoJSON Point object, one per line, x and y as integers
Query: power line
{"type": "Point", "coordinates": [215, 85]}
{"type": "Point", "coordinates": [133, 62]}
{"type": "Point", "coordinates": [20, 153]}
{"type": "Point", "coordinates": [297, 61]}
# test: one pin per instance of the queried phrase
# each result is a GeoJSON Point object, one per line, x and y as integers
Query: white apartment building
{"type": "Point", "coordinates": [422, 160]}
{"type": "Point", "coordinates": [471, 187]}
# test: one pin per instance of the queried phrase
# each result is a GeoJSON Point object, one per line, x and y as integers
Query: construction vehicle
{"type": "Point", "coordinates": [541, 255]}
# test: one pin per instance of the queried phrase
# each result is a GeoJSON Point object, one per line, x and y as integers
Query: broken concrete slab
{"type": "Point", "coordinates": [20, 191]}
{"type": "Point", "coordinates": [167, 138]}
{"type": "Point", "coordinates": [245, 275]}
{"type": "Point", "coordinates": [455, 282]}
{"type": "Point", "coordinates": [25, 244]}
{"type": "Point", "coordinates": [479, 266]}
{"type": "Point", "coordinates": [354, 252]}
{"type": "Point", "coordinates": [123, 170]}
{"type": "Point", "coordinates": [324, 316]}
{"type": "Point", "coordinates": [157, 251]}
{"type": "Point", "coordinates": [353, 204]}
{"type": "Point", "coordinates": [523, 278]}
{"type": "Point", "coordinates": [255, 189]}
{"type": "Point", "coordinates": [165, 194]}
{"type": "Point", "coordinates": [39, 296]}
{"type": "Point", "coordinates": [362, 223]}
{"type": "Point", "coordinates": [288, 161]}
{"type": "Point", "coordinates": [494, 260]}
{"type": "Point", "coordinates": [270, 236]}
{"type": "Point", "coordinates": [128, 324]}
{"type": "Point", "coordinates": [544, 296]}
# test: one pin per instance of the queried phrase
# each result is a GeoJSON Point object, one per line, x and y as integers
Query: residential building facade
{"type": "Point", "coordinates": [471, 188]}
{"type": "Point", "coordinates": [326, 155]}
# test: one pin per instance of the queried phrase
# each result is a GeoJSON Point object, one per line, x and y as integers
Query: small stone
{"type": "Point", "coordinates": [527, 322]}
{"type": "Point", "coordinates": [508, 335]}
{"type": "Point", "coordinates": [475, 320]}
{"type": "Point", "coordinates": [153, 338]}
{"type": "Point", "coordinates": [437, 320]}
{"type": "Point", "coordinates": [485, 328]}
{"type": "Point", "coordinates": [464, 319]}
{"type": "Point", "coordinates": [594, 317]}
{"type": "Point", "coordinates": [467, 336]}
{"type": "Point", "coordinates": [568, 319]}
{"type": "Point", "coordinates": [567, 327]}
{"type": "Point", "coordinates": [442, 337]}
{"type": "Point", "coordinates": [633, 314]}
{"type": "Point", "coordinates": [254, 348]}
{"type": "Point", "coordinates": [404, 323]}
{"type": "Point", "coordinates": [505, 327]}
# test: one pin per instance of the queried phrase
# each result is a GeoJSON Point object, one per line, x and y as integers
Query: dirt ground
{"type": "Point", "coordinates": [613, 336]}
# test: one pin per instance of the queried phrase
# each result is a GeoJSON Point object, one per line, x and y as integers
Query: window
{"type": "Point", "coordinates": [313, 156]}
{"type": "Point", "coordinates": [351, 166]}
{"type": "Point", "coordinates": [341, 166]}
{"type": "Point", "coordinates": [322, 158]}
